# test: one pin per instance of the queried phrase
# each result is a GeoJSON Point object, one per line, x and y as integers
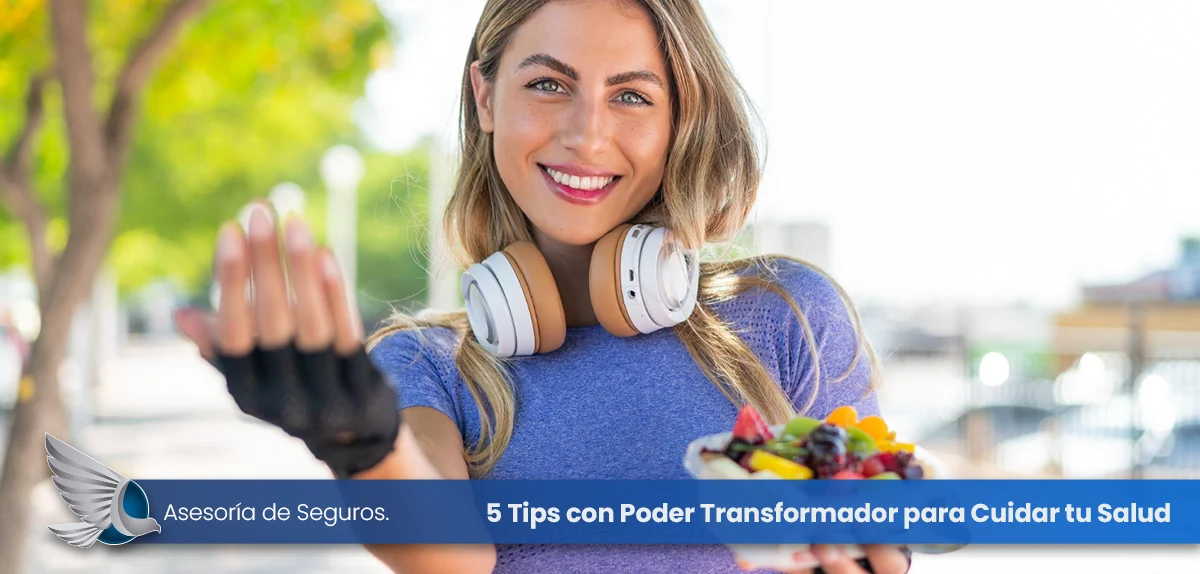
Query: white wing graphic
{"type": "Point", "coordinates": [88, 487]}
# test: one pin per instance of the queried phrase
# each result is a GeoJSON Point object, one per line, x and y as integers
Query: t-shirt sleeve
{"type": "Point", "coordinates": [408, 359]}
{"type": "Point", "coordinates": [839, 371]}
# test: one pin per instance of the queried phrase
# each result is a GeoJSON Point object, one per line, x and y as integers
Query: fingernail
{"type": "Point", "coordinates": [329, 265]}
{"type": "Point", "coordinates": [261, 225]}
{"type": "Point", "coordinates": [227, 239]}
{"type": "Point", "coordinates": [298, 236]}
{"type": "Point", "coordinates": [827, 553]}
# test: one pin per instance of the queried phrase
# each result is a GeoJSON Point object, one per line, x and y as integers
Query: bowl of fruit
{"type": "Point", "coordinates": [841, 446]}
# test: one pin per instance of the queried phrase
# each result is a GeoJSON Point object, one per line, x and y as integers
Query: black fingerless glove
{"type": "Point", "coordinates": [341, 407]}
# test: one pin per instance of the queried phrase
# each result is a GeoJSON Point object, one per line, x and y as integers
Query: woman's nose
{"type": "Point", "coordinates": [586, 130]}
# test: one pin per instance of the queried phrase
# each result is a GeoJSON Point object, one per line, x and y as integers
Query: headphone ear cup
{"type": "Point", "coordinates": [604, 283]}
{"type": "Point", "coordinates": [541, 295]}
{"type": "Point", "coordinates": [491, 318]}
{"type": "Point", "coordinates": [669, 278]}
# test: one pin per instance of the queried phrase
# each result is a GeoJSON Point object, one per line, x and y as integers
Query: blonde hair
{"type": "Point", "coordinates": [709, 186]}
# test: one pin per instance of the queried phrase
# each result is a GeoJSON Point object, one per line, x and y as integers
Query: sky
{"type": "Point", "coordinates": [960, 152]}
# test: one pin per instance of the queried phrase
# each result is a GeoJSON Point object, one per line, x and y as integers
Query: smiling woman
{"type": "Point", "coordinates": [580, 106]}
{"type": "Point", "coordinates": [604, 143]}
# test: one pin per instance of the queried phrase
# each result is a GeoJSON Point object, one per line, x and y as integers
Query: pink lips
{"type": "Point", "coordinates": [579, 196]}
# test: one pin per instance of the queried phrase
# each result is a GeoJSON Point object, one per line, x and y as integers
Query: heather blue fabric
{"type": "Point", "coordinates": [606, 407]}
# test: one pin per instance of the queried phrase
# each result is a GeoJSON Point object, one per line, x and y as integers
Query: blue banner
{"type": "Point", "coordinates": [674, 512]}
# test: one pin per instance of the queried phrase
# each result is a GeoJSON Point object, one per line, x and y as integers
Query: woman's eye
{"type": "Point", "coordinates": [550, 86]}
{"type": "Point", "coordinates": [632, 98]}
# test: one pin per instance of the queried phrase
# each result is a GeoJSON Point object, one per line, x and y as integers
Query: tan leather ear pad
{"type": "Point", "coordinates": [541, 294]}
{"type": "Point", "coordinates": [605, 284]}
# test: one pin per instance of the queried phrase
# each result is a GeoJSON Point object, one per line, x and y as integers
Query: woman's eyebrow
{"type": "Point", "coordinates": [544, 59]}
{"type": "Point", "coordinates": [551, 62]}
{"type": "Point", "coordinates": [642, 75]}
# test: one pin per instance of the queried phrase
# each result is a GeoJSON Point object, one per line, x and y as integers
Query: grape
{"type": "Point", "coordinates": [826, 455]}
{"type": "Point", "coordinates": [828, 432]}
{"type": "Point", "coordinates": [914, 472]}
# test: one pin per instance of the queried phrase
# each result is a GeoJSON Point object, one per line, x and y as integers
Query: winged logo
{"type": "Point", "coordinates": [113, 509]}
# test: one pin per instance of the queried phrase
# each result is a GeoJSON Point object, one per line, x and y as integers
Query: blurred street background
{"type": "Point", "coordinates": [1008, 193]}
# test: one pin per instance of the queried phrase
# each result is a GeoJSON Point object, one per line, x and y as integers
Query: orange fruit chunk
{"type": "Point", "coordinates": [874, 426]}
{"type": "Point", "coordinates": [844, 416]}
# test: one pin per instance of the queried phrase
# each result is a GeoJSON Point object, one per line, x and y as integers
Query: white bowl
{"type": "Point", "coordinates": [794, 556]}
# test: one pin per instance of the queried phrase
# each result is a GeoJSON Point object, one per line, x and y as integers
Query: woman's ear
{"type": "Point", "coordinates": [483, 98]}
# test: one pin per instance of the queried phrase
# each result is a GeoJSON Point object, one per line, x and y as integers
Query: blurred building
{"type": "Point", "coordinates": [805, 240]}
{"type": "Point", "coordinates": [1164, 306]}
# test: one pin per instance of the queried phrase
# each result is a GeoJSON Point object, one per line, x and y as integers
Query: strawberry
{"type": "Point", "coordinates": [873, 466]}
{"type": "Point", "coordinates": [888, 460]}
{"type": "Point", "coordinates": [751, 427]}
{"type": "Point", "coordinates": [847, 475]}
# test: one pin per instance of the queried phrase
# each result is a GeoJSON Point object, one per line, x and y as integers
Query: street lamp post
{"type": "Point", "coordinates": [342, 170]}
{"type": "Point", "coordinates": [287, 198]}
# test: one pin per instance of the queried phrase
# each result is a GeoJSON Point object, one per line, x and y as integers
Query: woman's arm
{"type": "Point", "coordinates": [274, 353]}
{"type": "Point", "coordinates": [429, 447]}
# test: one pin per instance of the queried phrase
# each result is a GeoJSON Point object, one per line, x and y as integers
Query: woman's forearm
{"type": "Point", "coordinates": [408, 462]}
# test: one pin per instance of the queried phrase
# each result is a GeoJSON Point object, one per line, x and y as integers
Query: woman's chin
{"type": "Point", "coordinates": [573, 235]}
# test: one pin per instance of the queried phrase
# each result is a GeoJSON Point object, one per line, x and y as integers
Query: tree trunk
{"type": "Point", "coordinates": [98, 151]}
{"type": "Point", "coordinates": [25, 459]}
{"type": "Point", "coordinates": [72, 279]}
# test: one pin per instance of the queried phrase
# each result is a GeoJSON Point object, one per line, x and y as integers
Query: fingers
{"type": "Point", "coordinates": [235, 324]}
{"type": "Point", "coordinates": [346, 324]}
{"type": "Point", "coordinates": [835, 561]}
{"type": "Point", "coordinates": [886, 559]}
{"type": "Point", "coordinates": [272, 307]}
{"type": "Point", "coordinates": [314, 325]}
{"type": "Point", "coordinates": [321, 316]}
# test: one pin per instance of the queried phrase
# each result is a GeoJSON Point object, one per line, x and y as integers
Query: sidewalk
{"type": "Point", "coordinates": [162, 412]}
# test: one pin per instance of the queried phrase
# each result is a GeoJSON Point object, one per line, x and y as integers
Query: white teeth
{"type": "Point", "coordinates": [584, 183]}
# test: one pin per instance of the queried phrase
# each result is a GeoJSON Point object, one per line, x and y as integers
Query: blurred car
{"type": "Point", "coordinates": [10, 367]}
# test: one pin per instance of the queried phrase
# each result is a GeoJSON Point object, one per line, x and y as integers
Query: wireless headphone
{"type": "Point", "coordinates": [639, 280]}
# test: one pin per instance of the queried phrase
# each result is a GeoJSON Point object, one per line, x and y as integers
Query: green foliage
{"type": "Point", "coordinates": [392, 234]}
{"type": "Point", "coordinates": [250, 94]}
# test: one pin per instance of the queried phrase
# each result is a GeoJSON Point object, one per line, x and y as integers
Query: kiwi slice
{"type": "Point", "coordinates": [799, 427]}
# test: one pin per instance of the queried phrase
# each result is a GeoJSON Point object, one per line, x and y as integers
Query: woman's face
{"type": "Point", "coordinates": [580, 114]}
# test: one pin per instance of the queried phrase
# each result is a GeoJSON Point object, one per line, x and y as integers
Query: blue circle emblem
{"type": "Point", "coordinates": [136, 506]}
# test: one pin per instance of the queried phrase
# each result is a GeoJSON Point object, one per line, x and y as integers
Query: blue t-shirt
{"type": "Point", "coordinates": [607, 407]}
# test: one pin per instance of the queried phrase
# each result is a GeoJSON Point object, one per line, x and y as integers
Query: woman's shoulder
{"type": "Point", "coordinates": [419, 363]}
{"type": "Point", "coordinates": [771, 277]}
{"type": "Point", "coordinates": [429, 348]}
{"type": "Point", "coordinates": [799, 319]}
{"type": "Point", "coordinates": [428, 338]}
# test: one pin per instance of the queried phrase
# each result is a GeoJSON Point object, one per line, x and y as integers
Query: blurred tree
{"type": "Point", "coordinates": [393, 234]}
{"type": "Point", "coordinates": [145, 122]}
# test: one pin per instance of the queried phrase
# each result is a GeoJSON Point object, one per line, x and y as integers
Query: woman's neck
{"type": "Point", "coordinates": [569, 264]}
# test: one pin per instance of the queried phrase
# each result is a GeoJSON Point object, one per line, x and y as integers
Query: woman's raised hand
{"type": "Point", "coordinates": [295, 360]}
